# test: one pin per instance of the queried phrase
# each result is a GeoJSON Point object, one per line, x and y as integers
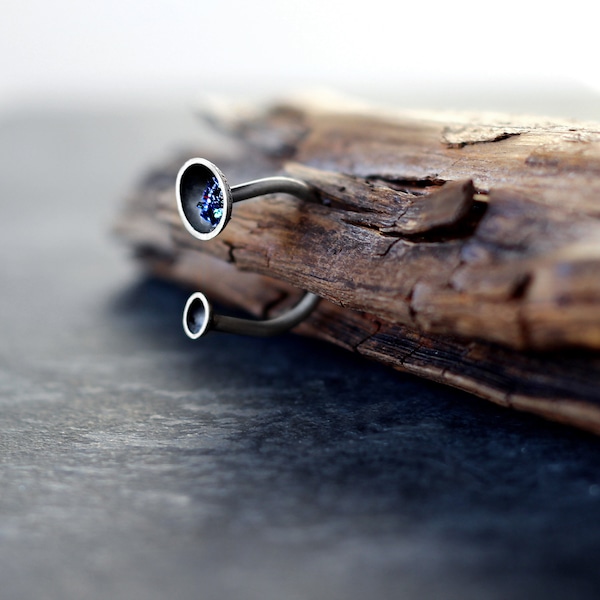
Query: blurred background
{"type": "Point", "coordinates": [512, 55]}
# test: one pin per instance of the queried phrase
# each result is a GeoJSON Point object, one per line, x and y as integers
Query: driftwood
{"type": "Point", "coordinates": [462, 248]}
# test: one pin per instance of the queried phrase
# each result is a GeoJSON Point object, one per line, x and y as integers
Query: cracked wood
{"type": "Point", "coordinates": [476, 237]}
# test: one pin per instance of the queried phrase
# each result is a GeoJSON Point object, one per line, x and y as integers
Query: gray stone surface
{"type": "Point", "coordinates": [135, 464]}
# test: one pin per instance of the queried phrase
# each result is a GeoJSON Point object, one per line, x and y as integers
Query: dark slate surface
{"type": "Point", "coordinates": [138, 465]}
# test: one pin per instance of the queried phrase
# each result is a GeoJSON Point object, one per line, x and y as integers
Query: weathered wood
{"type": "Point", "coordinates": [463, 249]}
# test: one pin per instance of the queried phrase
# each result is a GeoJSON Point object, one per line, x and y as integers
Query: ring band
{"type": "Point", "coordinates": [204, 202]}
{"type": "Point", "coordinates": [199, 318]}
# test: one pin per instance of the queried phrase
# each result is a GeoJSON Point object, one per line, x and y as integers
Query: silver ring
{"type": "Point", "coordinates": [205, 199]}
{"type": "Point", "coordinates": [204, 202]}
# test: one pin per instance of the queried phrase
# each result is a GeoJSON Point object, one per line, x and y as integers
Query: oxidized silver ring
{"type": "Point", "coordinates": [204, 202]}
{"type": "Point", "coordinates": [205, 199]}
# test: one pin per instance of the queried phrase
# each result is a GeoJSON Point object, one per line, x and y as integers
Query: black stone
{"type": "Point", "coordinates": [201, 198]}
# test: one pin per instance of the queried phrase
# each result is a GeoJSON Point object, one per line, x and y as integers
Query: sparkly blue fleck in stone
{"type": "Point", "coordinates": [210, 206]}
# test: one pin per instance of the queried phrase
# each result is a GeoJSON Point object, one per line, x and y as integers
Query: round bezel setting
{"type": "Point", "coordinates": [203, 198]}
{"type": "Point", "coordinates": [197, 316]}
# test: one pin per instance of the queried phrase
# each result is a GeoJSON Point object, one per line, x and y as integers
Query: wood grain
{"type": "Point", "coordinates": [461, 248]}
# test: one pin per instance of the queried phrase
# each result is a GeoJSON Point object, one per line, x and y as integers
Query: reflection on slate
{"type": "Point", "coordinates": [138, 464]}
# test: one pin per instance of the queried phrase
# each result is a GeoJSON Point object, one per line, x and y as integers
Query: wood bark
{"type": "Point", "coordinates": [462, 248]}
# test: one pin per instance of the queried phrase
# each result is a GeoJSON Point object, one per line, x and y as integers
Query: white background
{"type": "Point", "coordinates": [57, 49]}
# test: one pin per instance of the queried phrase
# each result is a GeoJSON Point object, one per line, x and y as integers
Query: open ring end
{"type": "Point", "coordinates": [197, 316]}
